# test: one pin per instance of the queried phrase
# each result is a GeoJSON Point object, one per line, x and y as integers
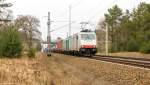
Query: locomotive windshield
{"type": "Point", "coordinates": [87, 36]}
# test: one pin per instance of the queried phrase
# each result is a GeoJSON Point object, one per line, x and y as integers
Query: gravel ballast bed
{"type": "Point", "coordinates": [112, 73]}
{"type": "Point", "coordinates": [128, 54]}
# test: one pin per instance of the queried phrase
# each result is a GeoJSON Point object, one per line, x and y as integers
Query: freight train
{"type": "Point", "coordinates": [82, 43]}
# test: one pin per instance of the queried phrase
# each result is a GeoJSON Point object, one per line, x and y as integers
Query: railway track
{"type": "Point", "coordinates": [132, 61]}
{"type": "Point", "coordinates": [138, 62]}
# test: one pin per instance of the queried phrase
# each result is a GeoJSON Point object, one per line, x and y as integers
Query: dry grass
{"type": "Point", "coordinates": [67, 70]}
{"type": "Point", "coordinates": [23, 71]}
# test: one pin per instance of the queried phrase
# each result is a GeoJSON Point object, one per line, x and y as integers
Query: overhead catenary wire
{"type": "Point", "coordinates": [62, 27]}
{"type": "Point", "coordinates": [95, 15]}
{"type": "Point", "coordinates": [92, 9]}
{"type": "Point", "coordinates": [102, 10]}
{"type": "Point", "coordinates": [72, 7]}
{"type": "Point", "coordinates": [77, 4]}
{"type": "Point", "coordinates": [90, 19]}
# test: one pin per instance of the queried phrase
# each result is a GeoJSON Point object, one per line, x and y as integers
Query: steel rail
{"type": "Point", "coordinates": [131, 61]}
{"type": "Point", "coordinates": [138, 62]}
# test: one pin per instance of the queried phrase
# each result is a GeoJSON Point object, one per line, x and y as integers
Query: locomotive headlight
{"type": "Point", "coordinates": [83, 49]}
{"type": "Point", "coordinates": [94, 49]}
{"type": "Point", "coordinates": [94, 46]}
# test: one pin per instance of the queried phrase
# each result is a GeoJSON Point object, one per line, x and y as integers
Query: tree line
{"type": "Point", "coordinates": [19, 36]}
{"type": "Point", "coordinates": [129, 30]}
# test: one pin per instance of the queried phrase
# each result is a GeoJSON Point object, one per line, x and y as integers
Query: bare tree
{"type": "Point", "coordinates": [28, 26]}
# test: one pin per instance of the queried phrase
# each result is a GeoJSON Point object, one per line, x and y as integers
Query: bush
{"type": "Point", "coordinates": [132, 45]}
{"type": "Point", "coordinates": [145, 48]}
{"type": "Point", "coordinates": [31, 53]}
{"type": "Point", "coordinates": [0, 44]}
{"type": "Point", "coordinates": [10, 43]}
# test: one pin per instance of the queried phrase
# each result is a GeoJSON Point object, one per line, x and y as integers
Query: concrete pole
{"type": "Point", "coordinates": [70, 20]}
{"type": "Point", "coordinates": [48, 34]}
{"type": "Point", "coordinates": [106, 45]}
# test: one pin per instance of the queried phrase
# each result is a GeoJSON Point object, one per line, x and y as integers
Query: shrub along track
{"type": "Point", "coordinates": [138, 62]}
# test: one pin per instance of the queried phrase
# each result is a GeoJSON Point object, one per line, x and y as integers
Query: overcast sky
{"type": "Point", "coordinates": [82, 10]}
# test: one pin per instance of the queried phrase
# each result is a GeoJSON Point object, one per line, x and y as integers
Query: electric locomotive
{"type": "Point", "coordinates": [87, 43]}
{"type": "Point", "coordinates": [82, 43]}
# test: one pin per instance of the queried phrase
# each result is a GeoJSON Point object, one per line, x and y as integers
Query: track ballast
{"type": "Point", "coordinates": [138, 62]}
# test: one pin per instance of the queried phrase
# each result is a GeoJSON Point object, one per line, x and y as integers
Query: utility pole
{"type": "Point", "coordinates": [70, 20]}
{"type": "Point", "coordinates": [106, 38]}
{"type": "Point", "coordinates": [49, 35]}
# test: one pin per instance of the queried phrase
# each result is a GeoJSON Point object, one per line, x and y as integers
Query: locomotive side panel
{"type": "Point", "coordinates": [71, 43]}
{"type": "Point", "coordinates": [75, 42]}
{"type": "Point", "coordinates": [64, 45]}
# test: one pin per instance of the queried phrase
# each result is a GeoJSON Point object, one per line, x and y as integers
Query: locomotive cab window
{"type": "Point", "coordinates": [87, 36]}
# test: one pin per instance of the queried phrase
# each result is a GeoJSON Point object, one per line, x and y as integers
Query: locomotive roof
{"type": "Point", "coordinates": [91, 32]}
{"type": "Point", "coordinates": [87, 32]}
